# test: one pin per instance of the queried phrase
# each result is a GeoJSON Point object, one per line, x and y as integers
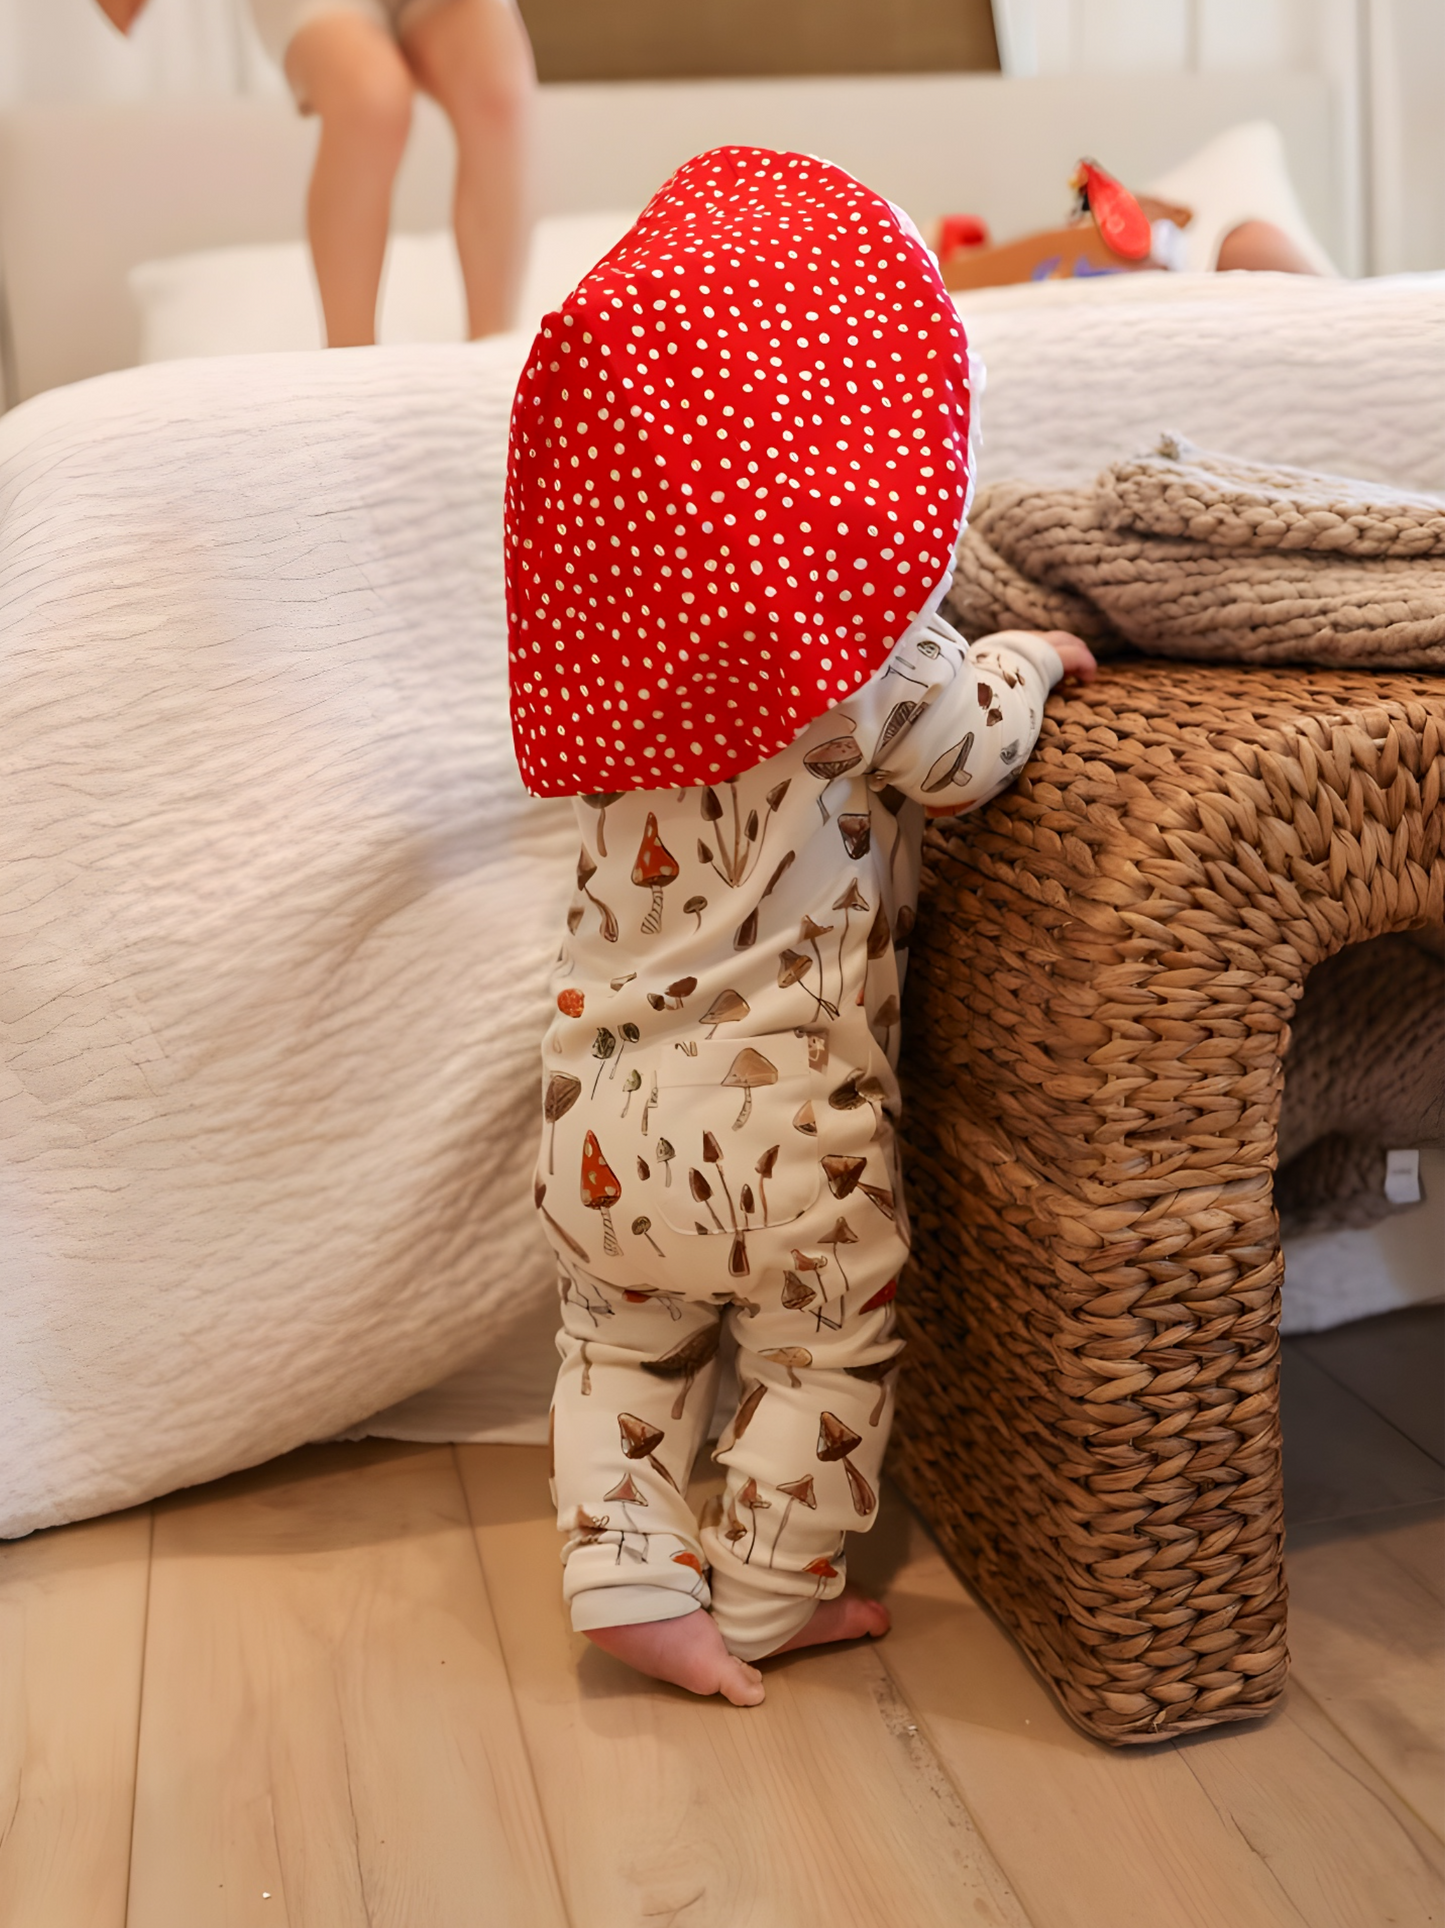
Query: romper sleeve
{"type": "Point", "coordinates": [958, 720]}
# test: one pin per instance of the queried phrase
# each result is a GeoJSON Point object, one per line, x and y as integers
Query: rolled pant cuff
{"type": "Point", "coordinates": [756, 1620]}
{"type": "Point", "coordinates": [629, 1607]}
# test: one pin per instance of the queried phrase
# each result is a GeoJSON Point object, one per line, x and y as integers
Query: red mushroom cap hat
{"type": "Point", "coordinates": [738, 467]}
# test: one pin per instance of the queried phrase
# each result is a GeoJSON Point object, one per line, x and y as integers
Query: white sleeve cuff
{"type": "Point", "coordinates": [1039, 654]}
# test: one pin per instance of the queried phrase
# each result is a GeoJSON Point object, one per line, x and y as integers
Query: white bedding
{"type": "Point", "coordinates": [1346, 376]}
{"type": "Point", "coordinates": [275, 909]}
{"type": "Point", "coordinates": [275, 912]}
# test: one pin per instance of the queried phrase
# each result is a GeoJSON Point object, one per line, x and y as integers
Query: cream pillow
{"type": "Point", "coordinates": [226, 301]}
{"type": "Point", "coordinates": [1241, 175]}
{"type": "Point", "coordinates": [251, 300]}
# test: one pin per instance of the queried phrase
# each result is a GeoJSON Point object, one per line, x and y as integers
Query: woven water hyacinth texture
{"type": "Point", "coordinates": [1101, 988]}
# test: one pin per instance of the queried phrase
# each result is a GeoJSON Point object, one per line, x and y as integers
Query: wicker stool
{"type": "Point", "coordinates": [1100, 994]}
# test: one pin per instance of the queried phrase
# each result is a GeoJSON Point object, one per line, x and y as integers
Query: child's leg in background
{"type": "Point", "coordinates": [806, 1449]}
{"type": "Point", "coordinates": [347, 69]}
{"type": "Point", "coordinates": [634, 1395]}
{"type": "Point", "coordinates": [474, 58]}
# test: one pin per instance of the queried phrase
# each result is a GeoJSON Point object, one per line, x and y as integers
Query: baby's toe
{"type": "Point", "coordinates": [740, 1683]}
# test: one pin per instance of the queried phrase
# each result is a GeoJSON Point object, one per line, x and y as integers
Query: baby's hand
{"type": "Point", "coordinates": [1077, 657]}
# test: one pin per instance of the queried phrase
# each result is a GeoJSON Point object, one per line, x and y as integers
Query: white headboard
{"type": "Point", "coordinates": [86, 192]}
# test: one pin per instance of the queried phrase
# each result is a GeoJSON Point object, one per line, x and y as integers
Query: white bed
{"type": "Point", "coordinates": [276, 910]}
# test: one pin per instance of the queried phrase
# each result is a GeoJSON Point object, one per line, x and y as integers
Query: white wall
{"type": "Point", "coordinates": [1404, 59]}
{"type": "Point", "coordinates": [1384, 58]}
{"type": "Point", "coordinates": [56, 50]}
{"type": "Point", "coordinates": [1112, 36]}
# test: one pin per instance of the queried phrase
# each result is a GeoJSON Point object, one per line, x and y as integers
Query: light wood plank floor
{"type": "Point", "coordinates": [340, 1690]}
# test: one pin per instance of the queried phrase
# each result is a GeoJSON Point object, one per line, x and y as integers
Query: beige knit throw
{"type": "Point", "coordinates": [1185, 553]}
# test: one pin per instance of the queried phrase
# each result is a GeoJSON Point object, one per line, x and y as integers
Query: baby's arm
{"type": "Point", "coordinates": [961, 719]}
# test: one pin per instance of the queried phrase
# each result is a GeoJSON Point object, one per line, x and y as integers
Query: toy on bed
{"type": "Point", "coordinates": [357, 65]}
{"type": "Point", "coordinates": [1111, 231]}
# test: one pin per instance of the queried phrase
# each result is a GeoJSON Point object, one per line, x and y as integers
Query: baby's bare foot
{"type": "Point", "coordinates": [689, 1653]}
{"type": "Point", "coordinates": [850, 1617]}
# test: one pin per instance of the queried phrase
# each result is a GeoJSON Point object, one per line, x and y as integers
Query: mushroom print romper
{"type": "Point", "coordinates": [739, 466]}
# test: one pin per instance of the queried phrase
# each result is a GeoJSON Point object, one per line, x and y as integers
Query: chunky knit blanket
{"type": "Point", "coordinates": [1185, 553]}
{"type": "Point", "coordinates": [1188, 554]}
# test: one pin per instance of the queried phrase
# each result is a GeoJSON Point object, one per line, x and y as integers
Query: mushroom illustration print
{"type": "Point", "coordinates": [949, 770]}
{"type": "Point", "coordinates": [712, 1155]}
{"type": "Point", "coordinates": [765, 1168]}
{"type": "Point", "coordinates": [790, 1358]}
{"type": "Point", "coordinates": [835, 1442]}
{"type": "Point", "coordinates": [687, 1558]}
{"type": "Point", "coordinates": [627, 1034]}
{"type": "Point", "coordinates": [880, 1196]}
{"type": "Point", "coordinates": [562, 1093]}
{"type": "Point", "coordinates": [600, 1190]}
{"type": "Point", "coordinates": [831, 760]}
{"type": "Point", "coordinates": [728, 1007]}
{"type": "Point", "coordinates": [809, 933]}
{"type": "Point", "coordinates": [875, 1375]}
{"type": "Point", "coordinates": [855, 827]}
{"type": "Point", "coordinates": [741, 1419]}
{"type": "Point", "coordinates": [816, 1264]}
{"type": "Point", "coordinates": [822, 1570]}
{"type": "Point", "coordinates": [797, 1294]}
{"type": "Point", "coordinates": [603, 1046]}
{"type": "Point", "coordinates": [654, 870]}
{"type": "Point", "coordinates": [852, 899]}
{"type": "Point", "coordinates": [794, 966]}
{"type": "Point", "coordinates": [885, 1018]}
{"type": "Point", "coordinates": [702, 1192]}
{"type": "Point", "coordinates": [799, 1492]}
{"type": "Point", "coordinates": [641, 1441]}
{"type": "Point", "coordinates": [842, 1172]}
{"type": "Point", "coordinates": [747, 932]}
{"type": "Point", "coordinates": [608, 927]}
{"type": "Point", "coordinates": [749, 1069]}
{"type": "Point", "coordinates": [642, 1228]}
{"type": "Point", "coordinates": [685, 1362]}
{"type": "Point", "coordinates": [841, 1234]}
{"type": "Point", "coordinates": [626, 1493]}
{"type": "Point", "coordinates": [599, 800]}
{"type": "Point", "coordinates": [752, 1500]}
{"type": "Point", "coordinates": [673, 998]}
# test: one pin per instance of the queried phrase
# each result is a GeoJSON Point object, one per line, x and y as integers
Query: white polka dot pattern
{"type": "Point", "coordinates": [738, 465]}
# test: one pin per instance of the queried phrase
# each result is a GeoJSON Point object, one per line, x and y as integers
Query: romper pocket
{"type": "Point", "coordinates": [736, 1137]}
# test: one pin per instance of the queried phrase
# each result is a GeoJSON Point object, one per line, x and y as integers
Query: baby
{"type": "Point", "coordinates": [739, 466]}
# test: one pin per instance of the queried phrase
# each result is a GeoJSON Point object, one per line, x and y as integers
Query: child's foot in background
{"type": "Point", "coordinates": [852, 1616]}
